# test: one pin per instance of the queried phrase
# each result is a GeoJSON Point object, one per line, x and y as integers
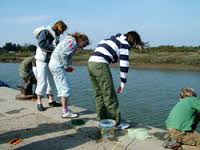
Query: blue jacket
{"type": "Point", "coordinates": [47, 40]}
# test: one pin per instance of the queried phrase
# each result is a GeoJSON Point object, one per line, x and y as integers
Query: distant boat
{"type": "Point", "coordinates": [3, 84]}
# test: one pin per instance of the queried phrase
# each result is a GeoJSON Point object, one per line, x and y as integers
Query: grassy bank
{"type": "Point", "coordinates": [7, 57]}
{"type": "Point", "coordinates": [158, 57]}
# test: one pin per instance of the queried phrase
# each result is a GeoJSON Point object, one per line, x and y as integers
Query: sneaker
{"type": "Point", "coordinates": [172, 144]}
{"type": "Point", "coordinates": [123, 126]}
{"type": "Point", "coordinates": [40, 107]}
{"type": "Point", "coordinates": [69, 114]}
{"type": "Point", "coordinates": [55, 104]}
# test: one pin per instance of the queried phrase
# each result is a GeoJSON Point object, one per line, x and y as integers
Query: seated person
{"type": "Point", "coordinates": [27, 75]}
{"type": "Point", "coordinates": [183, 118]}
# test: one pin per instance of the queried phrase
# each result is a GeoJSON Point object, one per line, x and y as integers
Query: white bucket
{"type": "Point", "coordinates": [107, 128]}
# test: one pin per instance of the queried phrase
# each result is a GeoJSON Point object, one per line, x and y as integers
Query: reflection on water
{"type": "Point", "coordinates": [149, 94]}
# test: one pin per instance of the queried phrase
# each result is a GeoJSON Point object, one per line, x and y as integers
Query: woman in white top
{"type": "Point", "coordinates": [48, 38]}
{"type": "Point", "coordinates": [59, 67]}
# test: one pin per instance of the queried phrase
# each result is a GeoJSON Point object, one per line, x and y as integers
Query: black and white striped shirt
{"type": "Point", "coordinates": [110, 51]}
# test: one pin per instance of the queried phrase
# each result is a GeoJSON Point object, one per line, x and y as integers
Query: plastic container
{"type": "Point", "coordinates": [139, 133]}
{"type": "Point", "coordinates": [107, 128]}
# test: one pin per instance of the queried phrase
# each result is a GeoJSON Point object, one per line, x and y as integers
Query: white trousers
{"type": "Point", "coordinates": [60, 77]}
{"type": "Point", "coordinates": [45, 82]}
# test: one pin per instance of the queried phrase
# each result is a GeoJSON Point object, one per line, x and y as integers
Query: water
{"type": "Point", "coordinates": [149, 95]}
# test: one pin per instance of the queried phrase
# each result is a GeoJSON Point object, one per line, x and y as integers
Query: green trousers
{"type": "Point", "coordinates": [107, 105]}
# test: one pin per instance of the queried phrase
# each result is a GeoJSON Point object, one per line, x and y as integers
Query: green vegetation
{"type": "Point", "coordinates": [18, 48]}
{"type": "Point", "coordinates": [168, 55]}
{"type": "Point", "coordinates": [156, 55]}
{"type": "Point", "coordinates": [161, 55]}
{"type": "Point", "coordinates": [9, 57]}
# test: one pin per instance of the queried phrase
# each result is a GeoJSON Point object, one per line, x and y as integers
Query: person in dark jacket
{"type": "Point", "coordinates": [48, 38]}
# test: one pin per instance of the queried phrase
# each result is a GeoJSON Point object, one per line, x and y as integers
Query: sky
{"type": "Point", "coordinates": [159, 22]}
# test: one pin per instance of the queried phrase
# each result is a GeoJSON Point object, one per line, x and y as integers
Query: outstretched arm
{"type": "Point", "coordinates": [124, 66]}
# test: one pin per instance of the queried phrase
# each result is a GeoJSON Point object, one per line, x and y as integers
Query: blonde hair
{"type": "Point", "coordinates": [187, 92]}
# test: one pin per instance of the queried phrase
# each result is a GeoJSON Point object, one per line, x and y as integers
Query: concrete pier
{"type": "Point", "coordinates": [47, 130]}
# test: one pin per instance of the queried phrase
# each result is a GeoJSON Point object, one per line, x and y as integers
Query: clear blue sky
{"type": "Point", "coordinates": [161, 22]}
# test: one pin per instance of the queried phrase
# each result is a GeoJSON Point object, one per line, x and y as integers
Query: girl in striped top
{"type": "Point", "coordinates": [109, 51]}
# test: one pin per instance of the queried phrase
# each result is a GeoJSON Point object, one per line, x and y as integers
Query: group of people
{"type": "Point", "coordinates": [53, 60]}
{"type": "Point", "coordinates": [52, 64]}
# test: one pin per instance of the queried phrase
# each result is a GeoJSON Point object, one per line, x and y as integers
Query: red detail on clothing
{"type": "Point", "coordinates": [70, 44]}
{"type": "Point", "coordinates": [69, 69]}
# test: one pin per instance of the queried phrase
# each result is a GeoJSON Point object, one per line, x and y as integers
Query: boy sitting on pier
{"type": "Point", "coordinates": [183, 119]}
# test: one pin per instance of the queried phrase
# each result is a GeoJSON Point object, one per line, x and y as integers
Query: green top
{"type": "Point", "coordinates": [25, 68]}
{"type": "Point", "coordinates": [182, 116]}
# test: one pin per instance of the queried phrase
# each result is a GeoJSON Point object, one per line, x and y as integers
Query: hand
{"type": "Point", "coordinates": [120, 90]}
{"type": "Point", "coordinates": [69, 69]}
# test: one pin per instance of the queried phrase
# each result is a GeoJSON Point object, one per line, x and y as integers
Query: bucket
{"type": "Point", "coordinates": [107, 128]}
{"type": "Point", "coordinates": [139, 133]}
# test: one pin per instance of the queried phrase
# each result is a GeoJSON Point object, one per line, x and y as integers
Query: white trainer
{"type": "Point", "coordinates": [123, 126]}
{"type": "Point", "coordinates": [69, 114]}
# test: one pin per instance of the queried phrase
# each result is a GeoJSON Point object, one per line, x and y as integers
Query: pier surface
{"type": "Point", "coordinates": [47, 130]}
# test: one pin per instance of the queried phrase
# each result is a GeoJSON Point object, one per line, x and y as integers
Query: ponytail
{"type": "Point", "coordinates": [80, 37]}
{"type": "Point", "coordinates": [76, 35]}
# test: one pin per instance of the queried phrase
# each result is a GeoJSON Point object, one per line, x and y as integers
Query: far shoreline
{"type": "Point", "coordinates": [178, 67]}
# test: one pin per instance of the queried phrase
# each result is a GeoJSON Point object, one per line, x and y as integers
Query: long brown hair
{"type": "Point", "coordinates": [134, 39]}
